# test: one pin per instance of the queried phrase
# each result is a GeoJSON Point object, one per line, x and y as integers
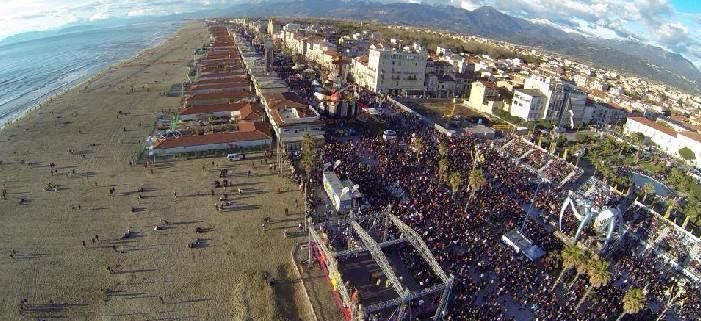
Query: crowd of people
{"type": "Point", "coordinates": [463, 230]}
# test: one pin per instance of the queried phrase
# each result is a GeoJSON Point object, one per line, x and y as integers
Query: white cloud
{"type": "Point", "coordinates": [650, 21]}
{"type": "Point", "coordinates": [673, 33]}
{"type": "Point", "coordinates": [18, 16]}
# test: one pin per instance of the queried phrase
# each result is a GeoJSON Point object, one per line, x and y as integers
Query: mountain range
{"type": "Point", "coordinates": [628, 56]}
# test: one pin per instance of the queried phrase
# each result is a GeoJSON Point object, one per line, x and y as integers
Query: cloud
{"type": "Point", "coordinates": [24, 15]}
{"type": "Point", "coordinates": [654, 22]}
{"type": "Point", "coordinates": [673, 34]}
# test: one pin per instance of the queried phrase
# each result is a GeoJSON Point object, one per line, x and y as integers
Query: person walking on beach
{"type": "Point", "coordinates": [4, 194]}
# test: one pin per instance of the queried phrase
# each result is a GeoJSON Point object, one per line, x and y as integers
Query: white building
{"type": "Point", "coordinates": [665, 137]}
{"type": "Point", "coordinates": [391, 71]}
{"type": "Point", "coordinates": [249, 135]}
{"type": "Point", "coordinates": [604, 114]}
{"type": "Point", "coordinates": [292, 120]}
{"type": "Point", "coordinates": [668, 139]}
{"type": "Point", "coordinates": [484, 97]}
{"type": "Point", "coordinates": [528, 104]}
{"type": "Point", "coordinates": [556, 107]}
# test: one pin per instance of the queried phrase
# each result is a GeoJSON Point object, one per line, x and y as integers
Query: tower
{"type": "Point", "coordinates": [268, 45]}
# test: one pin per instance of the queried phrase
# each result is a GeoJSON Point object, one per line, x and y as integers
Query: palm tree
{"type": "Point", "coordinates": [442, 149]}
{"type": "Point", "coordinates": [475, 181]}
{"type": "Point", "coordinates": [569, 255]}
{"type": "Point", "coordinates": [599, 275]}
{"type": "Point", "coordinates": [455, 180]}
{"type": "Point", "coordinates": [442, 168]}
{"type": "Point", "coordinates": [418, 145]}
{"type": "Point", "coordinates": [581, 265]}
{"type": "Point", "coordinates": [647, 190]}
{"type": "Point", "coordinates": [633, 302]}
{"type": "Point", "coordinates": [672, 205]}
{"type": "Point", "coordinates": [691, 215]}
{"type": "Point", "coordinates": [308, 156]}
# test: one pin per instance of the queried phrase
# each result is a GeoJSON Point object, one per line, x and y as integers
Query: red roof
{"type": "Point", "coordinates": [655, 125]}
{"type": "Point", "coordinates": [222, 80]}
{"type": "Point", "coordinates": [693, 135]}
{"type": "Point", "coordinates": [232, 84]}
{"type": "Point", "coordinates": [203, 109]}
{"type": "Point", "coordinates": [231, 94]}
{"type": "Point", "coordinates": [218, 138]}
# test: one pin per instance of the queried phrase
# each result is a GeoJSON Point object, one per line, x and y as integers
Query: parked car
{"type": "Point", "coordinates": [235, 157]}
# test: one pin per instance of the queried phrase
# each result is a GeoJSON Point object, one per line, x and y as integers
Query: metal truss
{"type": "Point", "coordinates": [404, 296]}
{"type": "Point", "coordinates": [379, 257]}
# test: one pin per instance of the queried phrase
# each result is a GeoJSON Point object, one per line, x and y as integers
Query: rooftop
{"type": "Point", "coordinates": [654, 125]}
{"type": "Point", "coordinates": [693, 135]}
{"type": "Point", "coordinates": [531, 92]}
{"type": "Point", "coordinates": [203, 109]}
{"type": "Point", "coordinates": [218, 138]}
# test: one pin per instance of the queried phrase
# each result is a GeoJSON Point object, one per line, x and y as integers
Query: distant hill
{"type": "Point", "coordinates": [634, 57]}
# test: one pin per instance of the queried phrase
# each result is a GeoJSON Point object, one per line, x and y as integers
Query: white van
{"type": "Point", "coordinates": [235, 157]}
{"type": "Point", "coordinates": [389, 134]}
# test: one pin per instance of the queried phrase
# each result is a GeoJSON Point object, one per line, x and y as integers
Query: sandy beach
{"type": "Point", "coordinates": [62, 251]}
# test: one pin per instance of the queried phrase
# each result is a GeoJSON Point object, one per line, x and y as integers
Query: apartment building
{"type": "Point", "coordinates": [389, 70]}
{"type": "Point", "coordinates": [564, 101]}
{"type": "Point", "coordinates": [528, 104]}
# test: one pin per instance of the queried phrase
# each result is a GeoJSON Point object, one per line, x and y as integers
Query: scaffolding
{"type": "Point", "coordinates": [368, 244]}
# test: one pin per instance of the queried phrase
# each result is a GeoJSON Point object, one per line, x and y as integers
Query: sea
{"type": "Point", "coordinates": [34, 70]}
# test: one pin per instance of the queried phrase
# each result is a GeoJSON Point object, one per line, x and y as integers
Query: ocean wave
{"type": "Point", "coordinates": [33, 71]}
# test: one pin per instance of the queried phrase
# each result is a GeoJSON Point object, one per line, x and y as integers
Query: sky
{"type": "Point", "coordinates": [672, 24]}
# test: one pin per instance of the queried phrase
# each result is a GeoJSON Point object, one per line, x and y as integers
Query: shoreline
{"type": "Point", "coordinates": [86, 82]}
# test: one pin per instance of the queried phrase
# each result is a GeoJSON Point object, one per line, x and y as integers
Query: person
{"type": "Point", "coordinates": [4, 194]}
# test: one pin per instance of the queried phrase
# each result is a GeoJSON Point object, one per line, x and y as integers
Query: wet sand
{"type": "Point", "coordinates": [154, 275]}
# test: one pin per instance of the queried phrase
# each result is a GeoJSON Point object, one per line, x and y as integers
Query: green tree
{"type": "Point", "coordinates": [442, 149]}
{"type": "Point", "coordinates": [599, 275]}
{"type": "Point", "coordinates": [455, 180]}
{"type": "Point", "coordinates": [647, 190]}
{"type": "Point", "coordinates": [691, 214]}
{"type": "Point", "coordinates": [308, 154]}
{"type": "Point", "coordinates": [570, 255]}
{"type": "Point", "coordinates": [581, 265]}
{"type": "Point", "coordinates": [475, 181]}
{"type": "Point", "coordinates": [418, 145]}
{"type": "Point", "coordinates": [687, 154]}
{"type": "Point", "coordinates": [633, 302]}
{"type": "Point", "coordinates": [637, 139]}
{"type": "Point", "coordinates": [442, 168]}
{"type": "Point", "coordinates": [672, 205]}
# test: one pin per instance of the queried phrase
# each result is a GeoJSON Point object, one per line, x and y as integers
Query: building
{"type": "Point", "coordinates": [234, 111]}
{"type": "Point", "coordinates": [564, 101]}
{"type": "Point", "coordinates": [484, 97]}
{"type": "Point", "coordinates": [665, 137]}
{"type": "Point", "coordinates": [249, 135]}
{"type": "Point", "coordinates": [274, 27]}
{"type": "Point", "coordinates": [391, 71]}
{"type": "Point", "coordinates": [292, 120]}
{"type": "Point", "coordinates": [528, 104]}
{"type": "Point", "coordinates": [598, 113]}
